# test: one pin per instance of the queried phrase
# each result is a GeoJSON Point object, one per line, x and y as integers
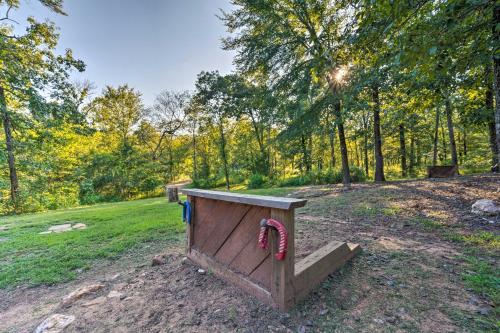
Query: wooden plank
{"type": "Point", "coordinates": [255, 200]}
{"type": "Point", "coordinates": [190, 227]}
{"type": "Point", "coordinates": [262, 274]}
{"type": "Point", "coordinates": [283, 277]}
{"type": "Point", "coordinates": [227, 220]}
{"type": "Point", "coordinates": [314, 268]}
{"type": "Point", "coordinates": [210, 224]}
{"type": "Point", "coordinates": [247, 231]}
{"type": "Point", "coordinates": [232, 277]}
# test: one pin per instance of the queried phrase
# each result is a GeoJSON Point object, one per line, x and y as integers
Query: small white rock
{"type": "Point", "coordinates": [79, 226]}
{"type": "Point", "coordinates": [485, 207]}
{"type": "Point", "coordinates": [55, 323]}
{"type": "Point", "coordinates": [115, 294]}
{"type": "Point", "coordinates": [60, 227]}
{"type": "Point", "coordinates": [201, 271]}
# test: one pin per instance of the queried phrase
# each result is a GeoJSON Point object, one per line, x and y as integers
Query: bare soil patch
{"type": "Point", "coordinates": [407, 279]}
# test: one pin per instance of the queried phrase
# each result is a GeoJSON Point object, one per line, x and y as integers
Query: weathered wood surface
{"type": "Point", "coordinates": [254, 200]}
{"type": "Point", "coordinates": [228, 232]}
{"type": "Point", "coordinates": [314, 268]}
{"type": "Point", "coordinates": [282, 287]}
{"type": "Point", "coordinates": [235, 278]}
{"type": "Point", "coordinates": [223, 237]}
{"type": "Point", "coordinates": [172, 193]}
{"type": "Point", "coordinates": [442, 171]}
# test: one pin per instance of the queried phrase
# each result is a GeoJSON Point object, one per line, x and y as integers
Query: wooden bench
{"type": "Point", "coordinates": [442, 171]}
{"type": "Point", "coordinates": [223, 238]}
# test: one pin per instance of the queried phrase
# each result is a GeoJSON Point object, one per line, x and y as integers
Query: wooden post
{"type": "Point", "coordinates": [172, 194]}
{"type": "Point", "coordinates": [190, 226]}
{"type": "Point", "coordinates": [282, 281]}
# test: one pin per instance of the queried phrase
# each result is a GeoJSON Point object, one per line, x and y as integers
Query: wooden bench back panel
{"type": "Point", "coordinates": [442, 171]}
{"type": "Point", "coordinates": [229, 232]}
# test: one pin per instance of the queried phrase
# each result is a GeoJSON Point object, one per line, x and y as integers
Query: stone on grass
{"type": "Point", "coordinates": [486, 207]}
{"type": "Point", "coordinates": [60, 227]}
{"type": "Point", "coordinates": [55, 323]}
{"type": "Point", "coordinates": [201, 271]}
{"type": "Point", "coordinates": [80, 292]}
{"type": "Point", "coordinates": [79, 226]}
{"type": "Point", "coordinates": [4, 228]}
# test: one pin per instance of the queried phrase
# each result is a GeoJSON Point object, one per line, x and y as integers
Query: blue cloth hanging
{"type": "Point", "coordinates": [186, 212]}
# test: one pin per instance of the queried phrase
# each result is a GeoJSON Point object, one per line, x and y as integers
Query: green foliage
{"type": "Point", "coordinates": [256, 180]}
{"type": "Point", "coordinates": [303, 68]}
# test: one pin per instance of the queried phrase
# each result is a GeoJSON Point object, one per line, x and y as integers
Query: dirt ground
{"type": "Point", "coordinates": [407, 279]}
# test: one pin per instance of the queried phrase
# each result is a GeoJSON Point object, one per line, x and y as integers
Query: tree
{"type": "Point", "coordinates": [32, 78]}
{"type": "Point", "coordinates": [297, 42]}
{"type": "Point", "coordinates": [167, 116]}
{"type": "Point", "coordinates": [213, 93]}
{"type": "Point", "coordinates": [116, 111]}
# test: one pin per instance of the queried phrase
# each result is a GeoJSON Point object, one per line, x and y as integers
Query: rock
{"type": "Point", "coordinates": [378, 321]}
{"type": "Point", "coordinates": [79, 226]}
{"type": "Point", "coordinates": [45, 232]}
{"type": "Point", "coordinates": [4, 228]}
{"type": "Point", "coordinates": [201, 271]}
{"type": "Point", "coordinates": [473, 300]}
{"type": "Point", "coordinates": [115, 294]}
{"type": "Point", "coordinates": [301, 329]}
{"type": "Point", "coordinates": [96, 301]}
{"type": "Point", "coordinates": [55, 323]}
{"type": "Point", "coordinates": [323, 312]}
{"type": "Point", "coordinates": [184, 260]}
{"type": "Point", "coordinates": [80, 292]}
{"type": "Point", "coordinates": [484, 310]}
{"type": "Point", "coordinates": [486, 207]}
{"type": "Point", "coordinates": [158, 260]}
{"type": "Point", "coordinates": [60, 227]}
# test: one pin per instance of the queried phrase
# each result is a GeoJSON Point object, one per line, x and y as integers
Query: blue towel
{"type": "Point", "coordinates": [186, 212]}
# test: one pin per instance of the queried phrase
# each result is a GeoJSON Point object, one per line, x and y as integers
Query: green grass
{"type": "Point", "coordinates": [272, 191]}
{"type": "Point", "coordinates": [30, 258]}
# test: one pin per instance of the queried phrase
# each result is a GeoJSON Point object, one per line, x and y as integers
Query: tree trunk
{"type": "Point", "coordinates": [9, 142]}
{"type": "Point", "coordinates": [346, 175]}
{"type": "Point", "coordinates": [496, 72]}
{"type": "Point", "coordinates": [379, 158]}
{"type": "Point", "coordinates": [332, 146]}
{"type": "Point", "coordinates": [365, 147]}
{"type": "Point", "coordinates": [465, 142]}
{"type": "Point", "coordinates": [444, 157]}
{"type": "Point", "coordinates": [449, 121]}
{"type": "Point", "coordinates": [305, 154]}
{"type": "Point", "coordinates": [223, 153]}
{"type": "Point", "coordinates": [402, 149]}
{"type": "Point", "coordinates": [436, 139]}
{"type": "Point", "coordinates": [412, 153]}
{"type": "Point", "coordinates": [172, 193]}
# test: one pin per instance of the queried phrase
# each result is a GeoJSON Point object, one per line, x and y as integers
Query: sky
{"type": "Point", "coordinates": [151, 45]}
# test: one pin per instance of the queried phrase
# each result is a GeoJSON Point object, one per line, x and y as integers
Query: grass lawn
{"type": "Point", "coordinates": [30, 258]}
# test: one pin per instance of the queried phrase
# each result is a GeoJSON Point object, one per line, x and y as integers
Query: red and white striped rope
{"type": "Point", "coordinates": [283, 235]}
